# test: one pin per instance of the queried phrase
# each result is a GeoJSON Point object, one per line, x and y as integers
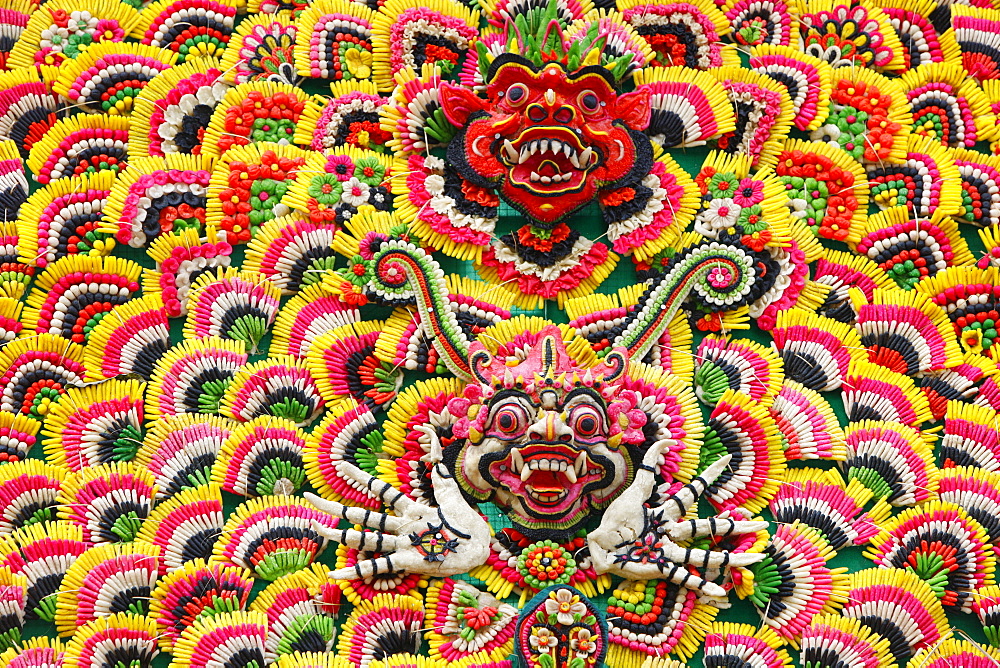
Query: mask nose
{"type": "Point", "coordinates": [550, 111]}
{"type": "Point", "coordinates": [550, 428]}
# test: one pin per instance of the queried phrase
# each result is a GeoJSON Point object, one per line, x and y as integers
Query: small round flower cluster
{"type": "Point", "coordinates": [859, 122]}
{"type": "Point", "coordinates": [253, 192]}
{"type": "Point", "coordinates": [71, 32]}
{"type": "Point", "coordinates": [729, 202]}
{"type": "Point", "coordinates": [819, 192]}
{"type": "Point", "coordinates": [260, 117]}
{"type": "Point", "coordinates": [546, 563]}
{"type": "Point", "coordinates": [347, 184]}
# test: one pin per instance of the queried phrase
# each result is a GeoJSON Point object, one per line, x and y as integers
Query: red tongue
{"type": "Point", "coordinates": [546, 479]}
{"type": "Point", "coordinates": [548, 168]}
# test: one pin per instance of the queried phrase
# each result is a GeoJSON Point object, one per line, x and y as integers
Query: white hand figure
{"type": "Point", "coordinates": [448, 540]}
{"type": "Point", "coordinates": [636, 541]}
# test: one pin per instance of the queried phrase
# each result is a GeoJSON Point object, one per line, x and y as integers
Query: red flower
{"type": "Point", "coordinates": [478, 619]}
{"type": "Point", "coordinates": [710, 322]}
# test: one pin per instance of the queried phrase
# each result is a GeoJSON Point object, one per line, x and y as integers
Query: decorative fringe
{"type": "Point", "coordinates": [109, 502]}
{"type": "Point", "coordinates": [740, 365]}
{"type": "Point", "coordinates": [728, 643]}
{"type": "Point", "coordinates": [831, 641]}
{"type": "Point", "coordinates": [740, 427]}
{"type": "Point", "coordinates": [73, 294]}
{"type": "Point", "coordinates": [892, 460]}
{"type": "Point", "coordinates": [939, 542]}
{"type": "Point", "coordinates": [793, 584]}
{"type": "Point", "coordinates": [279, 386]}
{"type": "Point", "coordinates": [96, 424]}
{"type": "Point", "coordinates": [97, 142]}
{"type": "Point", "coordinates": [192, 377]}
{"type": "Point", "coordinates": [807, 423]}
{"type": "Point", "coordinates": [94, 80]}
{"type": "Point", "coordinates": [307, 316]}
{"type": "Point", "coordinates": [197, 590]}
{"type": "Point", "coordinates": [208, 25]}
{"type": "Point", "coordinates": [156, 197]}
{"type": "Point", "coordinates": [907, 333]}
{"type": "Point", "coordinates": [181, 257]}
{"type": "Point", "coordinates": [106, 579]}
{"type": "Point", "coordinates": [690, 107]}
{"type": "Point", "coordinates": [806, 78]}
{"type": "Point", "coordinates": [821, 500]}
{"type": "Point", "coordinates": [273, 536]}
{"type": "Point", "coordinates": [816, 351]}
{"type": "Point", "coordinates": [130, 339]}
{"type": "Point", "coordinates": [231, 304]}
{"type": "Point", "coordinates": [758, 96]}
{"type": "Point", "coordinates": [262, 49]}
{"type": "Point", "coordinates": [161, 108]}
{"type": "Point", "coordinates": [261, 457]}
{"type": "Point", "coordinates": [872, 392]}
{"type": "Point", "coordinates": [185, 526]}
{"type": "Point", "coordinates": [897, 605]}
{"type": "Point", "coordinates": [180, 450]}
{"type": "Point", "coordinates": [274, 107]}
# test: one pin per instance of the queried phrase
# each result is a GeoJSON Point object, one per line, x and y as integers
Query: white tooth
{"type": "Point", "coordinates": [511, 152]}
{"type": "Point", "coordinates": [557, 178]}
{"type": "Point", "coordinates": [580, 465]}
{"type": "Point", "coordinates": [566, 176]}
{"type": "Point", "coordinates": [575, 160]}
{"type": "Point", "coordinates": [571, 474]}
{"type": "Point", "coordinates": [546, 179]}
{"type": "Point", "coordinates": [533, 147]}
{"type": "Point", "coordinates": [567, 149]}
{"type": "Point", "coordinates": [533, 465]}
{"type": "Point", "coordinates": [516, 460]}
{"type": "Point", "coordinates": [525, 474]}
{"type": "Point", "coordinates": [544, 145]}
{"type": "Point", "coordinates": [525, 154]}
{"type": "Point", "coordinates": [534, 176]}
{"type": "Point", "coordinates": [585, 157]}
{"type": "Point", "coordinates": [544, 465]}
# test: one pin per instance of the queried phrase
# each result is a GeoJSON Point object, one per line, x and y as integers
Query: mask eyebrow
{"type": "Point", "coordinates": [584, 392]}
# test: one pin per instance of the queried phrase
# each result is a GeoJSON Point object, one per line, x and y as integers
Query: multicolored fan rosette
{"type": "Point", "coordinates": [273, 536]}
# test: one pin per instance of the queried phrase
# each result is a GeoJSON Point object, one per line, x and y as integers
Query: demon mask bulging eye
{"type": "Point", "coordinates": [516, 95]}
{"type": "Point", "coordinates": [587, 418]}
{"type": "Point", "coordinates": [588, 101]}
{"type": "Point", "coordinates": [508, 419]}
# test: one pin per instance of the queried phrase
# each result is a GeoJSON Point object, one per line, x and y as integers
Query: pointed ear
{"type": "Point", "coordinates": [633, 108]}
{"type": "Point", "coordinates": [459, 103]}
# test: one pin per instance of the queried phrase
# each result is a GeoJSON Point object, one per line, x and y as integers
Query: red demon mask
{"type": "Point", "coordinates": [547, 139]}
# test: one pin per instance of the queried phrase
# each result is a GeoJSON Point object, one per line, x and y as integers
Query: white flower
{"type": "Point", "coordinates": [565, 605]}
{"type": "Point", "coordinates": [55, 37]}
{"type": "Point", "coordinates": [721, 213]}
{"type": "Point", "coordinates": [434, 184]}
{"type": "Point", "coordinates": [543, 639]}
{"type": "Point", "coordinates": [355, 192]}
{"type": "Point", "coordinates": [434, 164]}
